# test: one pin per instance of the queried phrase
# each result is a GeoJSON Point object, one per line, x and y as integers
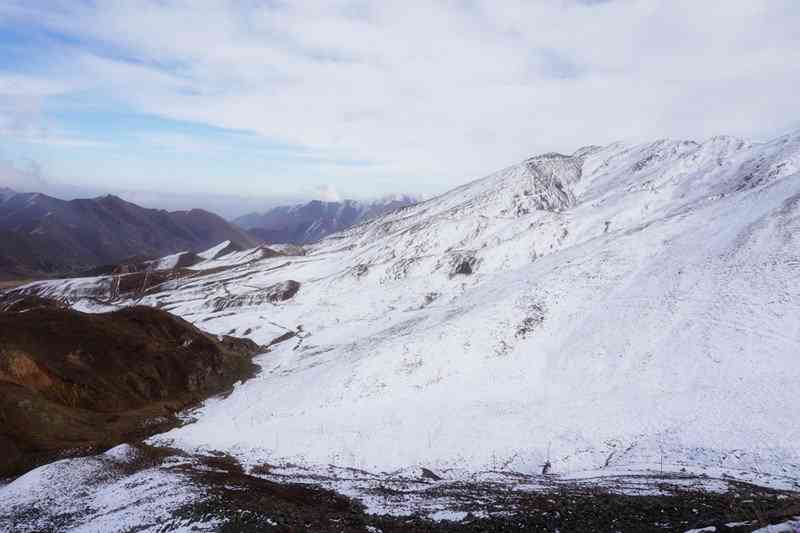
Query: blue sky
{"type": "Point", "coordinates": [90, 136]}
{"type": "Point", "coordinates": [258, 98]}
{"type": "Point", "coordinates": [85, 134]}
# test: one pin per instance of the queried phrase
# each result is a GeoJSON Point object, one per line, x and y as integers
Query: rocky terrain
{"type": "Point", "coordinates": [312, 221]}
{"type": "Point", "coordinates": [151, 488]}
{"type": "Point", "coordinates": [72, 382]}
{"type": "Point", "coordinates": [605, 335]}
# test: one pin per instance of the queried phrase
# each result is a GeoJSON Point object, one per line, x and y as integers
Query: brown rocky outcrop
{"type": "Point", "coordinates": [72, 381]}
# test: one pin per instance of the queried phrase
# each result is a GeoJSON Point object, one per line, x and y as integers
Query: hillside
{"type": "Point", "coordinates": [606, 308]}
{"type": "Point", "coordinates": [43, 236]}
{"type": "Point", "coordinates": [312, 221]}
{"type": "Point", "coordinates": [71, 381]}
{"type": "Point", "coordinates": [622, 310]}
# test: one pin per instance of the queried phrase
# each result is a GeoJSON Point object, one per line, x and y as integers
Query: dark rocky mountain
{"type": "Point", "coordinates": [72, 382]}
{"type": "Point", "coordinates": [41, 235]}
{"type": "Point", "coordinates": [310, 222]}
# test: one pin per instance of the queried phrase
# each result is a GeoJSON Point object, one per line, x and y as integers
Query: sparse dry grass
{"type": "Point", "coordinates": [11, 284]}
{"type": "Point", "coordinates": [18, 367]}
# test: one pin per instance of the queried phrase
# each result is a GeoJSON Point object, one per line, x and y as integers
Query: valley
{"type": "Point", "coordinates": [626, 315]}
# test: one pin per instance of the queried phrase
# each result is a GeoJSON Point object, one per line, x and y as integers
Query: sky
{"type": "Point", "coordinates": [273, 99]}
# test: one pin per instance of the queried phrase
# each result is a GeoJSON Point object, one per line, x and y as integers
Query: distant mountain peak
{"type": "Point", "coordinates": [314, 220]}
{"type": "Point", "coordinates": [398, 197]}
{"type": "Point", "coordinates": [41, 235]}
{"type": "Point", "coordinates": [6, 193]}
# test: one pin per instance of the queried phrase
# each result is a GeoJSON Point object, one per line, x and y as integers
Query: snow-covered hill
{"type": "Point", "coordinates": [6, 193]}
{"type": "Point", "coordinates": [623, 307]}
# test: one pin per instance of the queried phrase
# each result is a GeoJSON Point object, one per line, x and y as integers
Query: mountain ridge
{"type": "Point", "coordinates": [619, 311]}
{"type": "Point", "coordinates": [45, 236]}
{"type": "Point", "coordinates": [527, 271]}
{"type": "Point", "coordinates": [311, 221]}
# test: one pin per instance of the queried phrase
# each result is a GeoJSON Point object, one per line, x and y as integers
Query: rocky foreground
{"type": "Point", "coordinates": [149, 488]}
{"type": "Point", "coordinates": [71, 382]}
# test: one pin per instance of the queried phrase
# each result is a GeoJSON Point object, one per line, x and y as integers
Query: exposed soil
{"type": "Point", "coordinates": [13, 283]}
{"type": "Point", "coordinates": [237, 501]}
{"type": "Point", "coordinates": [28, 302]}
{"type": "Point", "coordinates": [72, 383]}
{"type": "Point", "coordinates": [279, 292]}
{"type": "Point", "coordinates": [463, 264]}
{"type": "Point", "coordinates": [137, 263]}
{"type": "Point", "coordinates": [248, 503]}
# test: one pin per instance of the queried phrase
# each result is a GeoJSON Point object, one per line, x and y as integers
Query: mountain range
{"type": "Point", "coordinates": [622, 312]}
{"type": "Point", "coordinates": [45, 236]}
{"type": "Point", "coordinates": [312, 221]}
{"type": "Point", "coordinates": [590, 310]}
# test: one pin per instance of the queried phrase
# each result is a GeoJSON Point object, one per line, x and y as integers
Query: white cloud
{"type": "Point", "coordinates": [20, 104]}
{"type": "Point", "coordinates": [327, 193]}
{"type": "Point", "coordinates": [434, 93]}
{"type": "Point", "coordinates": [22, 179]}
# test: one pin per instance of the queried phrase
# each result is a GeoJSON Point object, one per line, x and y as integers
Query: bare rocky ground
{"type": "Point", "coordinates": [11, 284]}
{"type": "Point", "coordinates": [249, 503]}
{"type": "Point", "coordinates": [227, 497]}
{"type": "Point", "coordinates": [73, 383]}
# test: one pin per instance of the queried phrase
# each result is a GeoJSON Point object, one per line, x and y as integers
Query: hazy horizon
{"type": "Point", "coordinates": [229, 206]}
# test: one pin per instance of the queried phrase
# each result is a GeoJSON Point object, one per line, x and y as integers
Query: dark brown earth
{"type": "Point", "coordinates": [10, 284]}
{"type": "Point", "coordinates": [234, 500]}
{"type": "Point", "coordinates": [248, 503]}
{"type": "Point", "coordinates": [136, 280]}
{"type": "Point", "coordinates": [279, 292]}
{"type": "Point", "coordinates": [73, 383]}
{"type": "Point", "coordinates": [239, 501]}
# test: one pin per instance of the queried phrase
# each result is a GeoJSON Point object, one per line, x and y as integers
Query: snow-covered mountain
{"type": "Point", "coordinates": [624, 307]}
{"type": "Point", "coordinates": [312, 221]}
{"type": "Point", "coordinates": [6, 193]}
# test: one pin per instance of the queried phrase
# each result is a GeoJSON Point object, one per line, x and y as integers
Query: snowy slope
{"type": "Point", "coordinates": [94, 494]}
{"type": "Point", "coordinates": [170, 261]}
{"type": "Point", "coordinates": [618, 308]}
{"type": "Point", "coordinates": [215, 251]}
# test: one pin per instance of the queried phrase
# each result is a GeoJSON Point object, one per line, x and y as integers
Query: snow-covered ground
{"type": "Point", "coordinates": [96, 494]}
{"type": "Point", "coordinates": [626, 307]}
{"type": "Point", "coordinates": [169, 261]}
{"type": "Point", "coordinates": [155, 489]}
